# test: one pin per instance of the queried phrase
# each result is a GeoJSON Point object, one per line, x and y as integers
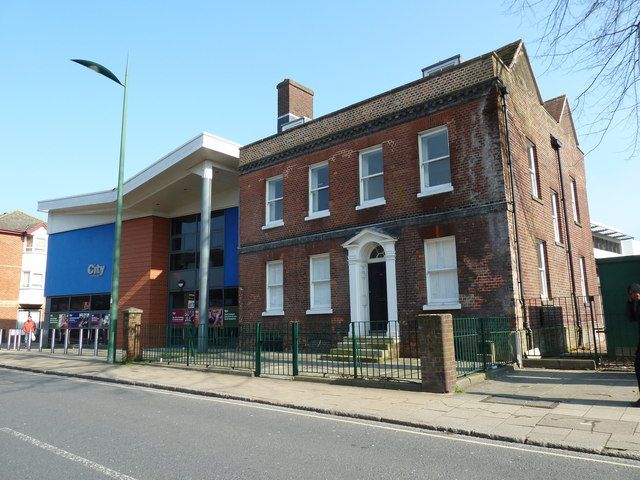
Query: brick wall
{"type": "Point", "coordinates": [144, 264]}
{"type": "Point", "coordinates": [477, 176]}
{"type": "Point", "coordinates": [483, 259]}
{"type": "Point", "coordinates": [10, 269]}
{"type": "Point", "coordinates": [529, 120]}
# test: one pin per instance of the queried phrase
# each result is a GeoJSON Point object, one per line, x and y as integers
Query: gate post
{"type": "Point", "coordinates": [132, 322]}
{"type": "Point", "coordinates": [437, 353]}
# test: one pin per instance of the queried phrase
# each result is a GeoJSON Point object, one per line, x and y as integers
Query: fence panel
{"type": "Point", "coordinates": [482, 343]}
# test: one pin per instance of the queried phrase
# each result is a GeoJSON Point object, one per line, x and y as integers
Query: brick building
{"type": "Point", "coordinates": [23, 253]}
{"type": "Point", "coordinates": [461, 192]}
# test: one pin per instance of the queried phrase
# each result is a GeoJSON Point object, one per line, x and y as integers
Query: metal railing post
{"type": "Point", "coordinates": [66, 341]}
{"type": "Point", "coordinates": [294, 347]}
{"type": "Point", "coordinates": [80, 340]}
{"type": "Point", "coordinates": [1, 332]}
{"type": "Point", "coordinates": [354, 350]}
{"type": "Point", "coordinates": [53, 340]}
{"type": "Point", "coordinates": [483, 344]}
{"type": "Point", "coordinates": [95, 342]}
{"type": "Point", "coordinates": [40, 341]}
{"type": "Point", "coordinates": [258, 349]}
{"type": "Point", "coordinates": [593, 330]}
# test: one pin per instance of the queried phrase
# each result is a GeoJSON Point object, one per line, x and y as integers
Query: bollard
{"type": "Point", "coordinates": [95, 343]}
{"type": "Point", "coordinates": [66, 341]}
{"type": "Point", "coordinates": [80, 339]}
{"type": "Point", "coordinates": [53, 340]}
{"type": "Point", "coordinates": [40, 342]}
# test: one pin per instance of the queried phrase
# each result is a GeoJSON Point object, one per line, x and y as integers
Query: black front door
{"type": "Point", "coordinates": [378, 296]}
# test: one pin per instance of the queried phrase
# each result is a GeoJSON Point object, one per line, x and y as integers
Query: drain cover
{"type": "Point", "coordinates": [523, 401]}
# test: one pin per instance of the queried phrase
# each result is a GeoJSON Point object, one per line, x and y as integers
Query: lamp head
{"type": "Point", "coordinates": [181, 284]}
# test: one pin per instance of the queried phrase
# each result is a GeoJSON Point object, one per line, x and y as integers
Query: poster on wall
{"type": "Point", "coordinates": [216, 317]}
{"type": "Point", "coordinates": [54, 320]}
{"type": "Point", "coordinates": [231, 314]}
{"type": "Point", "coordinates": [96, 319]}
{"type": "Point", "coordinates": [73, 320]}
{"type": "Point", "coordinates": [177, 317]}
{"type": "Point", "coordinates": [84, 320]}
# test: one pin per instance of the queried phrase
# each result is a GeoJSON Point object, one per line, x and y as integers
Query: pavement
{"type": "Point", "coordinates": [582, 411]}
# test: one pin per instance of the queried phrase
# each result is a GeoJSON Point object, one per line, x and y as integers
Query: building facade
{"type": "Point", "coordinates": [23, 250]}
{"type": "Point", "coordinates": [163, 239]}
{"type": "Point", "coordinates": [462, 192]}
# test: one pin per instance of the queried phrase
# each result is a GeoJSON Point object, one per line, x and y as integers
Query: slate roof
{"type": "Point", "coordinates": [18, 221]}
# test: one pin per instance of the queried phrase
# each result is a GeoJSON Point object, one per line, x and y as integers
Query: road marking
{"type": "Point", "coordinates": [327, 417]}
{"type": "Point", "coordinates": [67, 455]}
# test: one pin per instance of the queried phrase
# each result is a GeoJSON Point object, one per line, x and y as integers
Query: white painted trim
{"type": "Point", "coordinates": [320, 311]}
{"type": "Point", "coordinates": [363, 203]}
{"type": "Point", "coordinates": [273, 313]}
{"type": "Point", "coordinates": [447, 301]}
{"type": "Point", "coordinates": [316, 215]}
{"type": "Point", "coordinates": [319, 213]}
{"type": "Point", "coordinates": [268, 223]}
{"type": "Point", "coordinates": [277, 223]}
{"type": "Point", "coordinates": [372, 203]}
{"type": "Point", "coordinates": [442, 306]}
{"type": "Point", "coordinates": [204, 140]}
{"type": "Point", "coordinates": [427, 192]}
{"type": "Point", "coordinates": [312, 302]}
{"type": "Point", "coordinates": [431, 190]}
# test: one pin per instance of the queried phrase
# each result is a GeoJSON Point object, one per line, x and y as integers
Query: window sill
{"type": "Point", "coordinates": [273, 313]}
{"type": "Point", "coordinates": [537, 199]}
{"type": "Point", "coordinates": [314, 215]}
{"type": "Point", "coordinates": [578, 224]}
{"type": "Point", "coordinates": [372, 203]}
{"type": "Point", "coordinates": [278, 223]}
{"type": "Point", "coordinates": [559, 244]}
{"type": "Point", "coordinates": [442, 306]}
{"type": "Point", "coordinates": [320, 311]}
{"type": "Point", "coordinates": [427, 192]}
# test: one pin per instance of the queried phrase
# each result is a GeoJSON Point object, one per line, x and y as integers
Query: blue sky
{"type": "Point", "coordinates": [212, 66]}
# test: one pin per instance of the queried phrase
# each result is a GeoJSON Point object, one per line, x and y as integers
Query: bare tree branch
{"type": "Point", "coordinates": [601, 37]}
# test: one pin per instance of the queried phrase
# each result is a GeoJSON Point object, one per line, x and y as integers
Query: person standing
{"type": "Point", "coordinates": [29, 329]}
{"type": "Point", "coordinates": [633, 315]}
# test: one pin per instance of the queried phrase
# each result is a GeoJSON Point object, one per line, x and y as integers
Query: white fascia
{"type": "Point", "coordinates": [204, 140]}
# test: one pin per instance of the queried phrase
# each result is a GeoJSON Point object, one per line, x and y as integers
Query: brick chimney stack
{"type": "Point", "coordinates": [295, 101]}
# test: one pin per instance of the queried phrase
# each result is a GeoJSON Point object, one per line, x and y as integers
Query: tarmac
{"type": "Point", "coordinates": [585, 411]}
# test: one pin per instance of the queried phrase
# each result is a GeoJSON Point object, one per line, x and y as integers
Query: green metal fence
{"type": "Point", "coordinates": [290, 348]}
{"type": "Point", "coordinates": [483, 343]}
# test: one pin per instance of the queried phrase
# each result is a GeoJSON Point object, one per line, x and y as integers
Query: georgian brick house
{"type": "Point", "coordinates": [461, 192]}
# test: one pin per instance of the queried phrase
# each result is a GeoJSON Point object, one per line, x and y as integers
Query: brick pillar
{"type": "Point", "coordinates": [132, 344]}
{"type": "Point", "coordinates": [437, 353]}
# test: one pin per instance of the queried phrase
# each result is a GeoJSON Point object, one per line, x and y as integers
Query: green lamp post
{"type": "Point", "coordinates": [115, 274]}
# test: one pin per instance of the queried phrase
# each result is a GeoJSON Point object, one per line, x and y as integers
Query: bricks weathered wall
{"type": "Point", "coordinates": [10, 270]}
{"type": "Point", "coordinates": [530, 120]}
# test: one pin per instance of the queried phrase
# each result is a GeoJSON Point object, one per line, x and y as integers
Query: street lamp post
{"type": "Point", "coordinates": [115, 273]}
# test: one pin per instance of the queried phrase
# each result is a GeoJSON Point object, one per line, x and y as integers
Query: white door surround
{"type": "Point", "coordinates": [359, 249]}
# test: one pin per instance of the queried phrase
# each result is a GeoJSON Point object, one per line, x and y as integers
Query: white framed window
{"type": "Point", "coordinates": [39, 244]}
{"type": "Point", "coordinates": [574, 200]}
{"type": "Point", "coordinates": [435, 164]}
{"type": "Point", "coordinates": [442, 274]}
{"type": "Point", "coordinates": [275, 288]}
{"type": "Point", "coordinates": [273, 204]}
{"type": "Point", "coordinates": [36, 280]}
{"type": "Point", "coordinates": [583, 279]}
{"type": "Point", "coordinates": [371, 178]}
{"type": "Point", "coordinates": [555, 217]}
{"type": "Point", "coordinates": [533, 169]}
{"type": "Point", "coordinates": [32, 280]}
{"type": "Point", "coordinates": [543, 273]}
{"type": "Point", "coordinates": [318, 191]}
{"type": "Point", "coordinates": [320, 284]}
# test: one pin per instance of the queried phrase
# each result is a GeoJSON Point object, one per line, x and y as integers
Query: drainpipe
{"type": "Point", "coordinates": [557, 145]}
{"type": "Point", "coordinates": [504, 91]}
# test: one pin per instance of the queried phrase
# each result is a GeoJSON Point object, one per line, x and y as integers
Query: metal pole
{"type": "Point", "coordinates": [1, 332]}
{"type": "Point", "coordinates": [40, 341]}
{"type": "Point", "coordinates": [66, 341]}
{"type": "Point", "coordinates": [115, 274]}
{"type": "Point", "coordinates": [205, 246]}
{"type": "Point", "coordinates": [95, 343]}
{"type": "Point", "coordinates": [294, 347]}
{"type": "Point", "coordinates": [80, 339]}
{"type": "Point", "coordinates": [53, 340]}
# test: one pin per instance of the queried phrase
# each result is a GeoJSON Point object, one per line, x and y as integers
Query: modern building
{"type": "Point", "coordinates": [23, 254]}
{"type": "Point", "coordinates": [163, 240]}
{"type": "Point", "coordinates": [611, 242]}
{"type": "Point", "coordinates": [461, 192]}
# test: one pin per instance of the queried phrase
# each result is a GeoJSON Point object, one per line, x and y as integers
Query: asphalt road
{"type": "Point", "coordinates": [60, 428]}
